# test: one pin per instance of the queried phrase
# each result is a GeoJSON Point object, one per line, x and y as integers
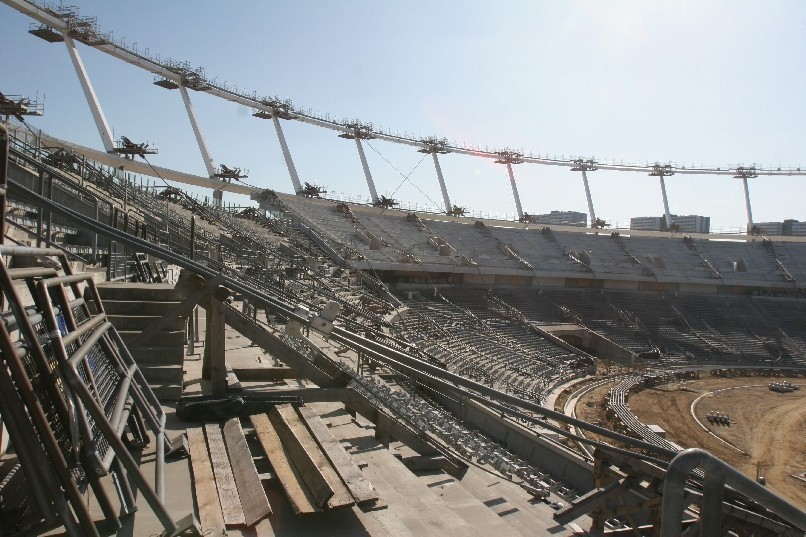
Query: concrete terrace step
{"type": "Point", "coordinates": [166, 391]}
{"type": "Point", "coordinates": [139, 292]}
{"type": "Point", "coordinates": [141, 322]}
{"type": "Point", "coordinates": [138, 307]}
{"type": "Point", "coordinates": [163, 339]}
{"type": "Point", "coordinates": [156, 354]}
{"type": "Point", "coordinates": [435, 505]}
{"type": "Point", "coordinates": [162, 372]}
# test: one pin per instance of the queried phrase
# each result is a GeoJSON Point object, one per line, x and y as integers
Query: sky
{"type": "Point", "coordinates": [716, 83]}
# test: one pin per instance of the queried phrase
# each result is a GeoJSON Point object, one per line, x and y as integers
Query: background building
{"type": "Point", "coordinates": [562, 218]}
{"type": "Point", "coordinates": [691, 223]}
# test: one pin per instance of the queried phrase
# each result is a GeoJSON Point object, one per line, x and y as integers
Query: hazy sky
{"type": "Point", "coordinates": [716, 82]}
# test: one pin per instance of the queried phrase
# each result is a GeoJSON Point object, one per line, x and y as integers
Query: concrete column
{"type": "Point", "coordinates": [89, 93]}
{"type": "Point", "coordinates": [747, 205]}
{"type": "Point", "coordinates": [292, 170]}
{"type": "Point", "coordinates": [588, 196]}
{"type": "Point", "coordinates": [665, 202]}
{"type": "Point", "coordinates": [445, 197]}
{"type": "Point", "coordinates": [515, 191]}
{"type": "Point", "coordinates": [205, 151]}
{"type": "Point", "coordinates": [367, 174]}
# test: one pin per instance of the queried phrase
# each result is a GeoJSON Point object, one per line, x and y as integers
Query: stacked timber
{"type": "Point", "coordinates": [314, 470]}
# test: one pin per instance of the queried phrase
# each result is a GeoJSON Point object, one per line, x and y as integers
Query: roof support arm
{"type": "Point", "coordinates": [367, 174]}
{"type": "Point", "coordinates": [289, 162]}
{"type": "Point", "coordinates": [89, 93]}
{"type": "Point", "coordinates": [205, 151]}
{"type": "Point", "coordinates": [442, 186]}
{"type": "Point", "coordinates": [515, 191]}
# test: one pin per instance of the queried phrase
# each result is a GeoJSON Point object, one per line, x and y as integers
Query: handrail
{"type": "Point", "coordinates": [718, 474]}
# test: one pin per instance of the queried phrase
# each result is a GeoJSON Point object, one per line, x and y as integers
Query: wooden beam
{"type": "Point", "coordinates": [250, 489]}
{"type": "Point", "coordinates": [215, 342]}
{"type": "Point", "coordinates": [227, 489]}
{"type": "Point", "coordinates": [298, 495]}
{"type": "Point", "coordinates": [359, 486]}
{"type": "Point", "coordinates": [209, 508]}
{"type": "Point", "coordinates": [309, 459]}
{"type": "Point", "coordinates": [272, 344]}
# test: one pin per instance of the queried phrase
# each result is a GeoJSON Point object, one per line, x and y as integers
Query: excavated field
{"type": "Point", "coordinates": [766, 427]}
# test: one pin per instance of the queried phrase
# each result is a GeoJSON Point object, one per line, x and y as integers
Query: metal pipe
{"type": "Point", "coordinates": [673, 503]}
{"type": "Point", "coordinates": [3, 179]}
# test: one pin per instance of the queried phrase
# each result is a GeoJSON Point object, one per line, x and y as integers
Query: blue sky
{"type": "Point", "coordinates": [717, 83]}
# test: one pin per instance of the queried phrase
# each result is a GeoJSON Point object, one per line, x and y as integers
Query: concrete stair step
{"type": "Point", "coordinates": [162, 372]}
{"type": "Point", "coordinates": [138, 291]}
{"type": "Point", "coordinates": [167, 355]}
{"type": "Point", "coordinates": [141, 322]}
{"type": "Point", "coordinates": [165, 338]}
{"type": "Point", "coordinates": [138, 307]}
{"type": "Point", "coordinates": [421, 509]}
{"type": "Point", "coordinates": [166, 391]}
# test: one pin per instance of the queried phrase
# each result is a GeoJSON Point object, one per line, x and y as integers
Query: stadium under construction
{"type": "Point", "coordinates": [312, 366]}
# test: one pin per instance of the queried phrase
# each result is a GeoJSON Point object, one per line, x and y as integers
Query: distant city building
{"type": "Point", "coordinates": [794, 227]}
{"type": "Point", "coordinates": [691, 223]}
{"type": "Point", "coordinates": [562, 218]}
{"type": "Point", "coordinates": [648, 223]}
{"type": "Point", "coordinates": [769, 228]}
{"type": "Point", "coordinates": [787, 227]}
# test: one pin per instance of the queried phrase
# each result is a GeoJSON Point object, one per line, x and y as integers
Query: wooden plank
{"type": "Point", "coordinates": [359, 486]}
{"type": "Point", "coordinates": [227, 490]}
{"type": "Point", "coordinates": [297, 445]}
{"type": "Point", "coordinates": [309, 453]}
{"type": "Point", "coordinates": [298, 496]}
{"type": "Point", "coordinates": [253, 498]}
{"type": "Point", "coordinates": [209, 508]}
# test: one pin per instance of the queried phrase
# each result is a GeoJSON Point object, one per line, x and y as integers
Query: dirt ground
{"type": "Point", "coordinates": [766, 426]}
